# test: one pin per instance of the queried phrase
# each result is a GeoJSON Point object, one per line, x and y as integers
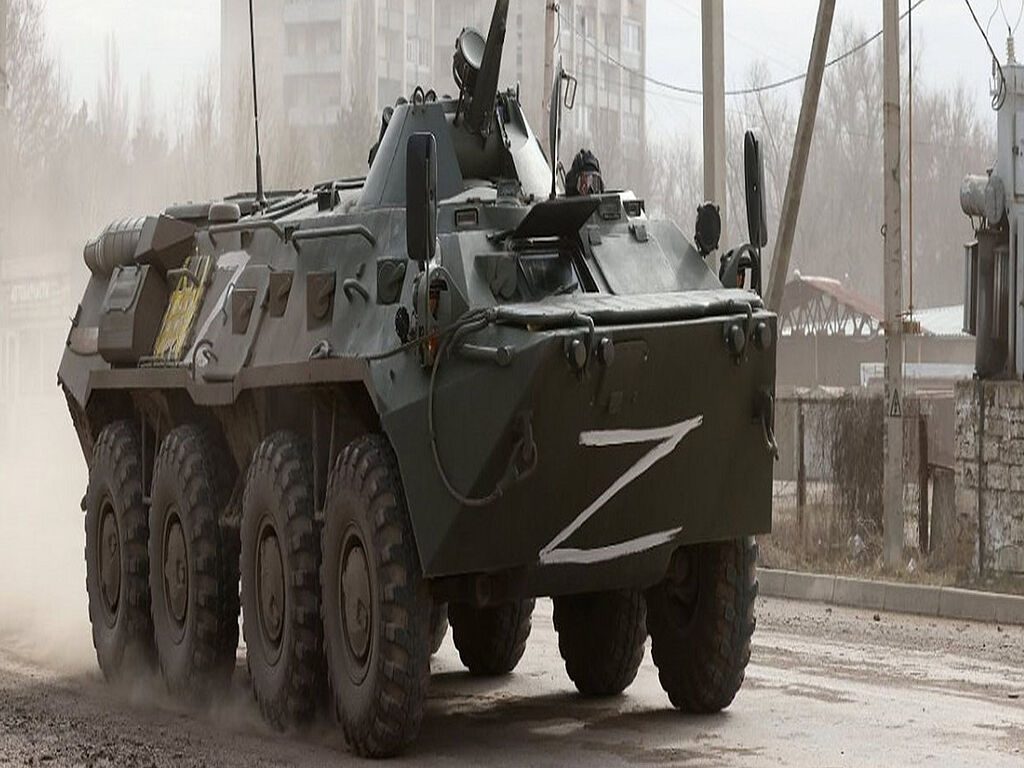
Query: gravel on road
{"type": "Point", "coordinates": [826, 686]}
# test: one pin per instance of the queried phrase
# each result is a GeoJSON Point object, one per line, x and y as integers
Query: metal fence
{"type": "Point", "coordinates": [828, 480]}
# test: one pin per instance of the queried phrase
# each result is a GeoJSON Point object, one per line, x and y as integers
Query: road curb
{"type": "Point", "coordinates": [918, 599]}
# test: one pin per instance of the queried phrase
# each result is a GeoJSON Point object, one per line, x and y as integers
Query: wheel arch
{"type": "Point", "coordinates": [328, 416]}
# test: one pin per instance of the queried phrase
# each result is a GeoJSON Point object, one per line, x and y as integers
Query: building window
{"type": "Point", "coordinates": [586, 28]}
{"type": "Point", "coordinates": [632, 37]}
{"type": "Point", "coordinates": [412, 51]}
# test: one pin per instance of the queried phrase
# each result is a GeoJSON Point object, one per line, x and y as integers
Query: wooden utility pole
{"type": "Point", "coordinates": [713, 65]}
{"type": "Point", "coordinates": [801, 151]}
{"type": "Point", "coordinates": [550, 29]}
{"type": "Point", "coordinates": [892, 495]}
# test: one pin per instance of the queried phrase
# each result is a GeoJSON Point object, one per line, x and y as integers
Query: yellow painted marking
{"type": "Point", "coordinates": [182, 311]}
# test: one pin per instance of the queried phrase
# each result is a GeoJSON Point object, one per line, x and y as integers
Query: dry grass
{"type": "Point", "coordinates": [825, 546]}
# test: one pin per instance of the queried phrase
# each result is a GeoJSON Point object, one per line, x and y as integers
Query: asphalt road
{"type": "Point", "coordinates": [825, 687]}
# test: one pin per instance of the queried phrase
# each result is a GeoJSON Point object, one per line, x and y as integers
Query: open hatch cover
{"type": "Point", "coordinates": [556, 218]}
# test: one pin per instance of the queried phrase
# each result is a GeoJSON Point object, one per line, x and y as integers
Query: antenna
{"type": "Point", "coordinates": [261, 198]}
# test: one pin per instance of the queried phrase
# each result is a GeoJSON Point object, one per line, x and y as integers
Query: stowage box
{"type": "Point", "coordinates": [132, 310]}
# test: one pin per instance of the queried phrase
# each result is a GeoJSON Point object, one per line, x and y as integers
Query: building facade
{"type": "Point", "coordinates": [324, 63]}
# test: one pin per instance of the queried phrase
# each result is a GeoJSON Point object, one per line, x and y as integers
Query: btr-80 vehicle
{"type": "Point", "coordinates": [424, 397]}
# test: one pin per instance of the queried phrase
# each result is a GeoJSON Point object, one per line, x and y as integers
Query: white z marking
{"type": "Point", "coordinates": [667, 438]}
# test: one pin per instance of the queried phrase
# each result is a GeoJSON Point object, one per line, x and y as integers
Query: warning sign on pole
{"type": "Point", "coordinates": [895, 408]}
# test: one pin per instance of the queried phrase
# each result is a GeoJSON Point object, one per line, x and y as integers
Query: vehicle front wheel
{"type": "Point", "coordinates": [701, 619]}
{"type": "Point", "coordinates": [376, 607]}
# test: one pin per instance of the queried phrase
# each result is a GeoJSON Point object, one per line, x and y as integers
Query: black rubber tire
{"type": "Point", "coordinates": [700, 632]}
{"type": "Point", "coordinates": [122, 633]}
{"type": "Point", "coordinates": [287, 672]}
{"type": "Point", "coordinates": [491, 640]}
{"type": "Point", "coordinates": [380, 690]}
{"type": "Point", "coordinates": [601, 637]}
{"type": "Point", "coordinates": [438, 626]}
{"type": "Point", "coordinates": [196, 655]}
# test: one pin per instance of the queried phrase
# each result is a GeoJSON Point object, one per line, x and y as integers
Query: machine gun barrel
{"type": "Point", "coordinates": [482, 107]}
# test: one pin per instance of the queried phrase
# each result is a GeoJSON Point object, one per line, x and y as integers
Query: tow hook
{"type": "Point", "coordinates": [764, 411]}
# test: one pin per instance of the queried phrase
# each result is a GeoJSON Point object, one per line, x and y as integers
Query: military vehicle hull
{"type": "Point", "coordinates": [375, 406]}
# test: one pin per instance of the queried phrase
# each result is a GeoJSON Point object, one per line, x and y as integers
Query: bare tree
{"type": "Point", "coordinates": [38, 102]}
{"type": "Point", "coordinates": [148, 143]}
{"type": "Point", "coordinates": [112, 102]}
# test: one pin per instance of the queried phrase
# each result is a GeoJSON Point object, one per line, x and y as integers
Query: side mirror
{"type": "Point", "coordinates": [753, 166]}
{"type": "Point", "coordinates": [421, 197]}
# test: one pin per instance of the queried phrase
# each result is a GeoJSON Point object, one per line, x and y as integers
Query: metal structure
{"type": "Point", "coordinates": [822, 305]}
{"type": "Point", "coordinates": [433, 392]}
{"type": "Point", "coordinates": [994, 269]}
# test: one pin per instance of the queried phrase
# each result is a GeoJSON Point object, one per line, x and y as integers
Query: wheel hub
{"type": "Point", "coordinates": [110, 561]}
{"type": "Point", "coordinates": [270, 583]}
{"type": "Point", "coordinates": [356, 608]}
{"type": "Point", "coordinates": [175, 569]}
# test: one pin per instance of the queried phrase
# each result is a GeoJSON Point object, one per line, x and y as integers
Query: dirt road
{"type": "Point", "coordinates": [825, 687]}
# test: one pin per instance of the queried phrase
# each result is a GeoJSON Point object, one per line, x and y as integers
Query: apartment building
{"type": "Point", "coordinates": [325, 62]}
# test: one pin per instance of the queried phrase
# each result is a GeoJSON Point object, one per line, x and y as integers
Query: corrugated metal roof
{"type": "Point", "coordinates": [941, 321]}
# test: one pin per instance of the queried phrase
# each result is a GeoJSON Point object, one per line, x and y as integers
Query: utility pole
{"type": "Point", "coordinates": [4, 81]}
{"type": "Point", "coordinates": [801, 151]}
{"type": "Point", "coordinates": [550, 29]}
{"type": "Point", "coordinates": [892, 494]}
{"type": "Point", "coordinates": [713, 66]}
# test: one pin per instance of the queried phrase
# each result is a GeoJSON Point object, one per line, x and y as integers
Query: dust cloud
{"type": "Point", "coordinates": [43, 606]}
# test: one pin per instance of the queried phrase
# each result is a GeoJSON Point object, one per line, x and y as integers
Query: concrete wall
{"type": "Point", "coordinates": [990, 494]}
{"type": "Point", "coordinates": [834, 361]}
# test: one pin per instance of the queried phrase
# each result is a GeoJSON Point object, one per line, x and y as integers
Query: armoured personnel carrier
{"type": "Point", "coordinates": [426, 396]}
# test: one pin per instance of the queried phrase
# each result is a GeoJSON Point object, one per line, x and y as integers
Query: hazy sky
{"type": "Point", "coordinates": [177, 42]}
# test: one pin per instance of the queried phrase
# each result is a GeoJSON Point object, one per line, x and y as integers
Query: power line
{"type": "Point", "coordinates": [789, 66]}
{"type": "Point", "coordinates": [740, 91]}
{"type": "Point", "coordinates": [1000, 95]}
{"type": "Point", "coordinates": [999, 7]}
